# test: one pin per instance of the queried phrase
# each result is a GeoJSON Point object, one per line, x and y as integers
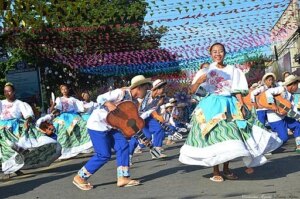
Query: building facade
{"type": "Point", "coordinates": [285, 42]}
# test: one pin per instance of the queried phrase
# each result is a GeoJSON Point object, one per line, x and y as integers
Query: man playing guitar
{"type": "Point", "coordinates": [104, 137]}
{"type": "Point", "coordinates": [149, 105]}
{"type": "Point", "coordinates": [280, 123]}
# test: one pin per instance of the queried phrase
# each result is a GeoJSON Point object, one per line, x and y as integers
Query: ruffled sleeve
{"type": "Point", "coordinates": [26, 110]}
{"type": "Point", "coordinates": [78, 105]}
{"type": "Point", "coordinates": [239, 82]}
{"type": "Point", "coordinates": [199, 74]}
{"type": "Point", "coordinates": [58, 104]}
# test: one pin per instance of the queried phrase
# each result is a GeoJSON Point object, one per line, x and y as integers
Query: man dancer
{"type": "Point", "coordinates": [104, 137]}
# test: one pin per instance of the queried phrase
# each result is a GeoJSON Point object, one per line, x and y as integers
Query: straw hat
{"type": "Point", "coordinates": [169, 105]}
{"type": "Point", "coordinates": [267, 75]}
{"type": "Point", "coordinates": [158, 83]}
{"type": "Point", "coordinates": [285, 72]}
{"type": "Point", "coordinates": [172, 100]}
{"type": "Point", "coordinates": [291, 79]}
{"type": "Point", "coordinates": [139, 80]}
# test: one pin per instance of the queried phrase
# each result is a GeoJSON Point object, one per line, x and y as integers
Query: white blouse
{"type": "Point", "coordinates": [69, 104]}
{"type": "Point", "coordinates": [89, 107]}
{"type": "Point", "coordinates": [14, 110]}
{"type": "Point", "coordinates": [225, 81]}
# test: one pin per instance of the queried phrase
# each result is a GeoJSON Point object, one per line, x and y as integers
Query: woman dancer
{"type": "Point", "coordinates": [88, 105]}
{"type": "Point", "coordinates": [22, 146]}
{"type": "Point", "coordinates": [219, 131]}
{"type": "Point", "coordinates": [70, 127]}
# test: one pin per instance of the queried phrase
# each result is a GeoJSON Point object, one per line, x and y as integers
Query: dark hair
{"type": "Point", "coordinates": [10, 85]}
{"type": "Point", "coordinates": [210, 49]}
{"type": "Point", "coordinates": [284, 73]}
{"type": "Point", "coordinates": [201, 66]}
{"type": "Point", "coordinates": [85, 92]}
{"type": "Point", "coordinates": [62, 85]}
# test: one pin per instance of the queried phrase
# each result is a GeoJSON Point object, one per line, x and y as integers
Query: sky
{"type": "Point", "coordinates": [243, 26]}
{"type": "Point", "coordinates": [193, 25]}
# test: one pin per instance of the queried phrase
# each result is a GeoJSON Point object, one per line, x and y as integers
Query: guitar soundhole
{"type": "Point", "coordinates": [131, 123]}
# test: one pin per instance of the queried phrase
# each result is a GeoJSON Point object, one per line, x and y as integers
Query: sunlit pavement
{"type": "Point", "coordinates": [161, 179]}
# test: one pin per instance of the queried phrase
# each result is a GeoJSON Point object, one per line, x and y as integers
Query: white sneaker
{"type": "Point", "coordinates": [138, 150]}
{"type": "Point", "coordinates": [182, 130]}
{"type": "Point", "coordinates": [177, 136]}
{"type": "Point", "coordinates": [188, 125]}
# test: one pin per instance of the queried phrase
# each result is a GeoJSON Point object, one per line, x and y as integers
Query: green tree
{"type": "Point", "coordinates": [51, 32]}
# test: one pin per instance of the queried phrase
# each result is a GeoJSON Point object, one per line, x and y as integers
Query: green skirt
{"type": "Point", "coordinates": [21, 149]}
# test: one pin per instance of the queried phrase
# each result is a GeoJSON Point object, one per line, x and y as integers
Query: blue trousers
{"type": "Point", "coordinates": [152, 128]}
{"type": "Point", "coordinates": [281, 128]}
{"type": "Point", "coordinates": [103, 142]}
{"type": "Point", "coordinates": [262, 116]}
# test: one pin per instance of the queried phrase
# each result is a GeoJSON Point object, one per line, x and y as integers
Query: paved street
{"type": "Point", "coordinates": [162, 179]}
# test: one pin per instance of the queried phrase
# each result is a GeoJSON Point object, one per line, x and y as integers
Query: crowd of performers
{"type": "Point", "coordinates": [221, 126]}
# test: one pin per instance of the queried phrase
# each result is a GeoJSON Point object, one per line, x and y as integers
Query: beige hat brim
{"type": "Point", "coordinates": [144, 81]}
{"type": "Point", "coordinates": [296, 79]}
{"type": "Point", "coordinates": [267, 75]}
{"type": "Point", "coordinates": [158, 85]}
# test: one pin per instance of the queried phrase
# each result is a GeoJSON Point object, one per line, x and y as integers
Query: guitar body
{"type": "Point", "coordinates": [126, 119]}
{"type": "Point", "coordinates": [283, 105]}
{"type": "Point", "coordinates": [248, 103]}
{"type": "Point", "coordinates": [157, 116]}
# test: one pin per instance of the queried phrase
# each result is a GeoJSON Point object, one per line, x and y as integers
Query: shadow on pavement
{"type": "Point", "coordinates": [26, 186]}
{"type": "Point", "coordinates": [275, 168]}
{"type": "Point", "coordinates": [169, 171]}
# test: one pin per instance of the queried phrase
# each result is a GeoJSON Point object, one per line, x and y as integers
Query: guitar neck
{"type": "Point", "coordinates": [140, 135]}
{"type": "Point", "coordinates": [290, 112]}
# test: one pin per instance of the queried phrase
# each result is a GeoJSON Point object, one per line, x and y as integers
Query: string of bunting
{"type": "Point", "coordinates": [245, 27]}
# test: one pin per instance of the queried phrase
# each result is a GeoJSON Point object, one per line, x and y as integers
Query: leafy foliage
{"type": "Point", "coordinates": [48, 33]}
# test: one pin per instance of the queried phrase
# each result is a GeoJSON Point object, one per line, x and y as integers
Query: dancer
{"type": "Point", "coordinates": [88, 105]}
{"type": "Point", "coordinates": [22, 146]}
{"type": "Point", "coordinates": [268, 81]}
{"type": "Point", "coordinates": [104, 137]}
{"type": "Point", "coordinates": [153, 129]}
{"type": "Point", "coordinates": [279, 123]}
{"type": "Point", "coordinates": [219, 131]}
{"type": "Point", "coordinates": [70, 127]}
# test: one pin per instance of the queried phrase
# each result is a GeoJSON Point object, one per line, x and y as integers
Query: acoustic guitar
{"type": "Point", "coordinates": [247, 101]}
{"type": "Point", "coordinates": [284, 106]}
{"type": "Point", "coordinates": [127, 120]}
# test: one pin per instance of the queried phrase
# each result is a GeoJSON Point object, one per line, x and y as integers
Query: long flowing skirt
{"type": "Point", "coordinates": [25, 149]}
{"type": "Point", "coordinates": [226, 139]}
{"type": "Point", "coordinates": [72, 135]}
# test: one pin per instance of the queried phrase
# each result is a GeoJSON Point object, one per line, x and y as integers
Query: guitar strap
{"type": "Point", "coordinates": [145, 103]}
{"type": "Point", "coordinates": [127, 96]}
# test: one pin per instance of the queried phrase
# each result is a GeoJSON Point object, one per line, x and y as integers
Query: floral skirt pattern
{"type": "Point", "coordinates": [72, 135]}
{"type": "Point", "coordinates": [25, 149]}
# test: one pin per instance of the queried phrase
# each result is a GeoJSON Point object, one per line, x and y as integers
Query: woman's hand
{"type": "Point", "coordinates": [27, 123]}
{"type": "Point", "coordinates": [202, 79]}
